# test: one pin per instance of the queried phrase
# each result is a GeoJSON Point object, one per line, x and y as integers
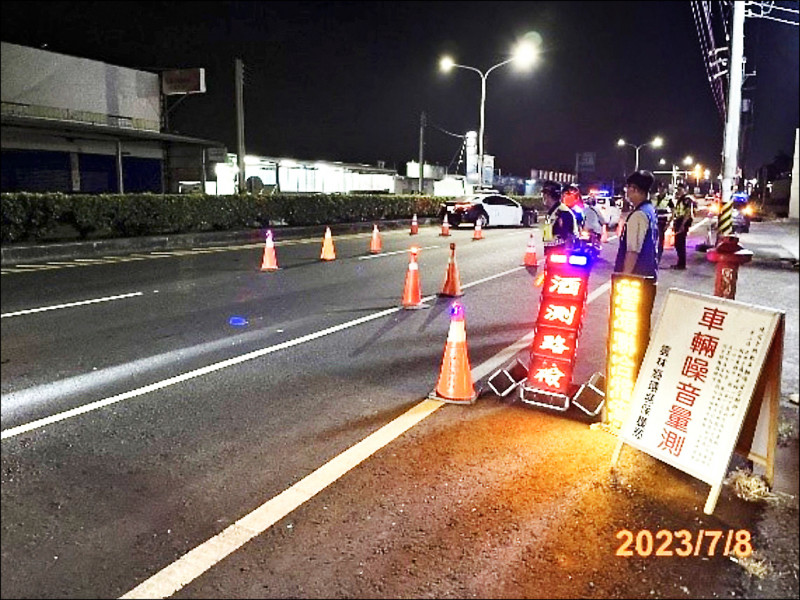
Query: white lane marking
{"type": "Point", "coordinates": [703, 222]}
{"type": "Point", "coordinates": [200, 559]}
{"type": "Point", "coordinates": [92, 406]}
{"type": "Point", "coordinates": [69, 305]}
{"type": "Point", "coordinates": [391, 253]}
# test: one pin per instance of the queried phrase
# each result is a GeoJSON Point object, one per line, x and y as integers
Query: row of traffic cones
{"type": "Point", "coordinates": [451, 287]}
{"type": "Point", "coordinates": [412, 295]}
{"type": "Point", "coordinates": [476, 235]}
{"type": "Point", "coordinates": [269, 262]}
{"type": "Point", "coordinates": [455, 383]}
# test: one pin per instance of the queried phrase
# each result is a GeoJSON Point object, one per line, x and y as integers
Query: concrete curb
{"type": "Point", "coordinates": [30, 254]}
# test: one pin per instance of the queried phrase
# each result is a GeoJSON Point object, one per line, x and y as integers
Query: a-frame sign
{"type": "Point", "coordinates": [709, 385]}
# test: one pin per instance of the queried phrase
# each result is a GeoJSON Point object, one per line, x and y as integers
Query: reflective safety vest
{"type": "Point", "coordinates": [684, 207]}
{"type": "Point", "coordinates": [647, 261]}
{"type": "Point", "coordinates": [561, 220]}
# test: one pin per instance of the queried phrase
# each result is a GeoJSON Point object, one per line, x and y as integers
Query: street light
{"type": "Point", "coordinates": [687, 162]}
{"type": "Point", "coordinates": [524, 55]}
{"type": "Point", "coordinates": [656, 142]}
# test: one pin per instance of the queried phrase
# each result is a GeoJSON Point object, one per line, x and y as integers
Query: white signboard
{"type": "Point", "coordinates": [696, 381]}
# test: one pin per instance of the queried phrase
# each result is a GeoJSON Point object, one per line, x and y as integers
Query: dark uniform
{"type": "Point", "coordinates": [664, 207]}
{"type": "Point", "coordinates": [684, 214]}
{"type": "Point", "coordinates": [565, 225]}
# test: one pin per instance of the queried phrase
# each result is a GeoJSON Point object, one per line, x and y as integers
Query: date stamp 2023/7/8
{"type": "Point", "coordinates": [682, 543]}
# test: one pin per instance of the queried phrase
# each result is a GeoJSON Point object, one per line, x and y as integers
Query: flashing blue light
{"type": "Point", "coordinates": [236, 321]}
{"type": "Point", "coordinates": [456, 310]}
{"type": "Point", "coordinates": [578, 259]}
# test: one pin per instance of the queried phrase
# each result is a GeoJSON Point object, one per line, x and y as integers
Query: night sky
{"type": "Point", "coordinates": [348, 81]}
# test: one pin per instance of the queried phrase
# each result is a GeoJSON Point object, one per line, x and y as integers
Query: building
{"type": "Point", "coordinates": [72, 125]}
{"type": "Point", "coordinates": [265, 174]}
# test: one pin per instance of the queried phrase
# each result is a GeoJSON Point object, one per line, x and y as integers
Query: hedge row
{"type": "Point", "coordinates": [29, 216]}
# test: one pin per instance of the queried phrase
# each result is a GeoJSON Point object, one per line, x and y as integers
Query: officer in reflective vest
{"type": "Point", "coordinates": [664, 207]}
{"type": "Point", "coordinates": [565, 225]}
{"type": "Point", "coordinates": [684, 214]}
{"type": "Point", "coordinates": [639, 239]}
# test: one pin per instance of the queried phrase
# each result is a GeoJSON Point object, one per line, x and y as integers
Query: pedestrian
{"type": "Point", "coordinates": [664, 208]}
{"type": "Point", "coordinates": [565, 225]}
{"type": "Point", "coordinates": [684, 215]}
{"type": "Point", "coordinates": [637, 244]}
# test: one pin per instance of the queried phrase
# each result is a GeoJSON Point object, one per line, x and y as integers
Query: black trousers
{"type": "Point", "coordinates": [662, 228]}
{"type": "Point", "coordinates": [680, 247]}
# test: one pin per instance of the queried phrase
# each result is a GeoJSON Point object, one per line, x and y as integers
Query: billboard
{"type": "Point", "coordinates": [183, 81]}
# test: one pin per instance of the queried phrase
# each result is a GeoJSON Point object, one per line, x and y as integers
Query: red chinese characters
{"type": "Point", "coordinates": [693, 374]}
{"type": "Point", "coordinates": [558, 326]}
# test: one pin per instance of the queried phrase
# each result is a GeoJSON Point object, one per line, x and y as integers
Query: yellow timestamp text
{"type": "Point", "coordinates": [706, 542]}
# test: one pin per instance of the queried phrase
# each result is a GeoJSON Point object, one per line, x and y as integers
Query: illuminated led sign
{"type": "Point", "coordinates": [628, 335]}
{"type": "Point", "coordinates": [558, 325]}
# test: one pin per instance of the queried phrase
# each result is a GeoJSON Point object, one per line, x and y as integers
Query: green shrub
{"type": "Point", "coordinates": [34, 216]}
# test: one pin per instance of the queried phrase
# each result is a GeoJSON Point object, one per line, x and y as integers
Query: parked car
{"type": "Point", "coordinates": [487, 208]}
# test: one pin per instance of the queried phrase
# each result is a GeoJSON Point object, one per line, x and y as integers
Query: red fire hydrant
{"type": "Point", "coordinates": [728, 255]}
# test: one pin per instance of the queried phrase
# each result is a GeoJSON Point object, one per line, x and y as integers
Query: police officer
{"type": "Point", "coordinates": [639, 240]}
{"type": "Point", "coordinates": [684, 215]}
{"type": "Point", "coordinates": [572, 199]}
{"type": "Point", "coordinates": [664, 207]}
{"type": "Point", "coordinates": [565, 225]}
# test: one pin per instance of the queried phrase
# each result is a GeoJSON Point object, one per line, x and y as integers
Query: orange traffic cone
{"type": "Point", "coordinates": [445, 227]}
{"type": "Point", "coordinates": [414, 225]}
{"type": "Point", "coordinates": [455, 376]}
{"type": "Point", "coordinates": [452, 281]}
{"type": "Point", "coordinates": [530, 254]}
{"type": "Point", "coordinates": [478, 231]}
{"type": "Point", "coordinates": [375, 242]}
{"type": "Point", "coordinates": [669, 238]}
{"type": "Point", "coordinates": [411, 292]}
{"type": "Point", "coordinates": [268, 263]}
{"type": "Point", "coordinates": [604, 236]}
{"type": "Point", "coordinates": [328, 251]}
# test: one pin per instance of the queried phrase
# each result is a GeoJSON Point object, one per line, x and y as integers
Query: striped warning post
{"type": "Point", "coordinates": [725, 223]}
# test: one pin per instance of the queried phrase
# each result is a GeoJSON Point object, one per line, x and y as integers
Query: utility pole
{"type": "Point", "coordinates": [731, 144]}
{"type": "Point", "coordinates": [422, 124]}
{"type": "Point", "coordinates": [240, 124]}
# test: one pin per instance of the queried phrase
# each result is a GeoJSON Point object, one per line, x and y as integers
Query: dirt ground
{"type": "Point", "coordinates": [513, 502]}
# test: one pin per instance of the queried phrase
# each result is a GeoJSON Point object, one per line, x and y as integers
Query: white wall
{"type": "Point", "coordinates": [50, 85]}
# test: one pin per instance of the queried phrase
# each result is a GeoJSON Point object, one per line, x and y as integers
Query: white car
{"type": "Point", "coordinates": [487, 208]}
{"type": "Point", "coordinates": [609, 207]}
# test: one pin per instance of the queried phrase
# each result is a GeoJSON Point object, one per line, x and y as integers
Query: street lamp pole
{"type": "Point", "coordinates": [656, 142]}
{"type": "Point", "coordinates": [524, 53]}
{"type": "Point", "coordinates": [482, 128]}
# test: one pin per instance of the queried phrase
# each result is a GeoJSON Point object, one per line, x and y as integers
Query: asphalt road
{"type": "Point", "coordinates": [149, 402]}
